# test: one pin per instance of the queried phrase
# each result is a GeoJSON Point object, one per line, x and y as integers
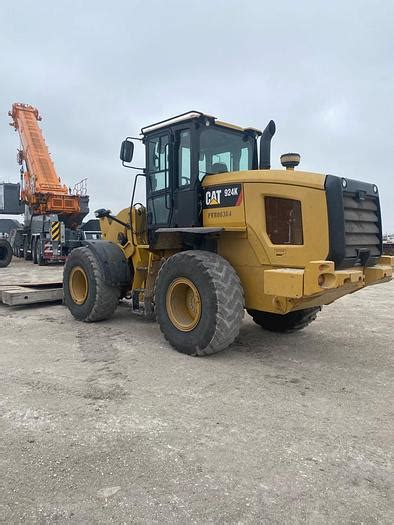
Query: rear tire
{"type": "Point", "coordinates": [86, 294]}
{"type": "Point", "coordinates": [5, 253]}
{"type": "Point", "coordinates": [286, 323]}
{"type": "Point", "coordinates": [199, 302]}
{"type": "Point", "coordinates": [38, 253]}
{"type": "Point", "coordinates": [34, 244]}
{"type": "Point", "coordinates": [27, 255]}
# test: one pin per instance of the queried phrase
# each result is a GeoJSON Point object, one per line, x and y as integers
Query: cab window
{"type": "Point", "coordinates": [158, 162]}
{"type": "Point", "coordinates": [223, 150]}
{"type": "Point", "coordinates": [184, 159]}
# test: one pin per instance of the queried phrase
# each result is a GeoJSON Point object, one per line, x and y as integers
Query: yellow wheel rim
{"type": "Point", "coordinates": [183, 303]}
{"type": "Point", "coordinates": [78, 285]}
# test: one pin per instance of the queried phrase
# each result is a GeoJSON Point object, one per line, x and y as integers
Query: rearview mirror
{"type": "Point", "coordinates": [127, 151]}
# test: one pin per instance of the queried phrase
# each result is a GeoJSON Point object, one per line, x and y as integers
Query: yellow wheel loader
{"type": "Point", "coordinates": [222, 232]}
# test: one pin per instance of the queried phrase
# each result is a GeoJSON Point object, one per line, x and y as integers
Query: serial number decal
{"type": "Point", "coordinates": [218, 214]}
{"type": "Point", "coordinates": [223, 196]}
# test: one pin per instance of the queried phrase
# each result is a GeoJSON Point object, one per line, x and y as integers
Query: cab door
{"type": "Point", "coordinates": [186, 192]}
{"type": "Point", "coordinates": [158, 181]}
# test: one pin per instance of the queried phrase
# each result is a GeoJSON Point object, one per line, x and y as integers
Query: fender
{"type": "Point", "coordinates": [203, 238]}
{"type": "Point", "coordinates": [113, 263]}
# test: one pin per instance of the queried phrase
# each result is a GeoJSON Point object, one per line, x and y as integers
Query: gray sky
{"type": "Point", "coordinates": [100, 70]}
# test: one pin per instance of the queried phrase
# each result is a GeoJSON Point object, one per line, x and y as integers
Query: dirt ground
{"type": "Point", "coordinates": [106, 423]}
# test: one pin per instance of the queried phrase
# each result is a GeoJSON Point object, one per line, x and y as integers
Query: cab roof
{"type": "Point", "coordinates": [190, 115]}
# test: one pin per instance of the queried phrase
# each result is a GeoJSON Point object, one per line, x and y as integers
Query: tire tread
{"type": "Point", "coordinates": [5, 245]}
{"type": "Point", "coordinates": [106, 297]}
{"type": "Point", "coordinates": [229, 295]}
{"type": "Point", "coordinates": [287, 323]}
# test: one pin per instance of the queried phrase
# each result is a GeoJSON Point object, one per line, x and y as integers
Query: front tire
{"type": "Point", "coordinates": [291, 322]}
{"type": "Point", "coordinates": [199, 302]}
{"type": "Point", "coordinates": [86, 293]}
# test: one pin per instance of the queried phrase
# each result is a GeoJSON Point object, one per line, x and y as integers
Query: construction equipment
{"type": "Point", "coordinates": [221, 232]}
{"type": "Point", "coordinates": [6, 225]}
{"type": "Point", "coordinates": [53, 212]}
{"type": "Point", "coordinates": [388, 244]}
{"type": "Point", "coordinates": [10, 203]}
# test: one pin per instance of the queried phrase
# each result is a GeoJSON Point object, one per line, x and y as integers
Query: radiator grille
{"type": "Point", "coordinates": [362, 224]}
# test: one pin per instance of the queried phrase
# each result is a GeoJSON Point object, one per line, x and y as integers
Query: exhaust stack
{"type": "Point", "coordinates": [265, 146]}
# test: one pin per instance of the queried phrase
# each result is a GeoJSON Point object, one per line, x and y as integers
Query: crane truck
{"type": "Point", "coordinates": [53, 213]}
{"type": "Point", "coordinates": [222, 232]}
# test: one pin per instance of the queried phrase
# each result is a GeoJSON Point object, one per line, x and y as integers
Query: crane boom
{"type": "Point", "coordinates": [42, 189]}
{"type": "Point", "coordinates": [53, 214]}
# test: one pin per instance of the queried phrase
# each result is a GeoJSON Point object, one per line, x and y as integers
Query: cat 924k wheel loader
{"type": "Point", "coordinates": [222, 232]}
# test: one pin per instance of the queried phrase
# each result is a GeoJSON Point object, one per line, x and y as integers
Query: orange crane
{"type": "Point", "coordinates": [53, 213]}
{"type": "Point", "coordinates": [42, 189]}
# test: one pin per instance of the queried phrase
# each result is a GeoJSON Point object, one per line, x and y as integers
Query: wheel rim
{"type": "Point", "coordinates": [78, 285]}
{"type": "Point", "coordinates": [183, 303]}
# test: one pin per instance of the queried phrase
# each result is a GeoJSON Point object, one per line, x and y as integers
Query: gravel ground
{"type": "Point", "coordinates": [105, 423]}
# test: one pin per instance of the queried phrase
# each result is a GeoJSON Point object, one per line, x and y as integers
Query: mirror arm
{"type": "Point", "coordinates": [133, 167]}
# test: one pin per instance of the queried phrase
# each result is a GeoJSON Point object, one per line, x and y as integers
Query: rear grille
{"type": "Point", "coordinates": [354, 221]}
{"type": "Point", "coordinates": [361, 225]}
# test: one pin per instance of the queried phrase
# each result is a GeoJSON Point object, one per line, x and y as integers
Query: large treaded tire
{"type": "Point", "coordinates": [34, 246]}
{"type": "Point", "coordinates": [5, 253]}
{"type": "Point", "coordinates": [101, 300]}
{"type": "Point", "coordinates": [39, 254]}
{"type": "Point", "coordinates": [222, 302]}
{"type": "Point", "coordinates": [287, 323]}
{"type": "Point", "coordinates": [27, 255]}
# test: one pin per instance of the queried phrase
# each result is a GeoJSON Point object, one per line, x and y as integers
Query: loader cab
{"type": "Point", "coordinates": [180, 152]}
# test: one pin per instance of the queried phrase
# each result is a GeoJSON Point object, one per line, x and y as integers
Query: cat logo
{"type": "Point", "coordinates": [223, 196]}
{"type": "Point", "coordinates": [212, 198]}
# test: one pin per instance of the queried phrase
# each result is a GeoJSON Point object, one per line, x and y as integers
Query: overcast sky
{"type": "Point", "coordinates": [100, 70]}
